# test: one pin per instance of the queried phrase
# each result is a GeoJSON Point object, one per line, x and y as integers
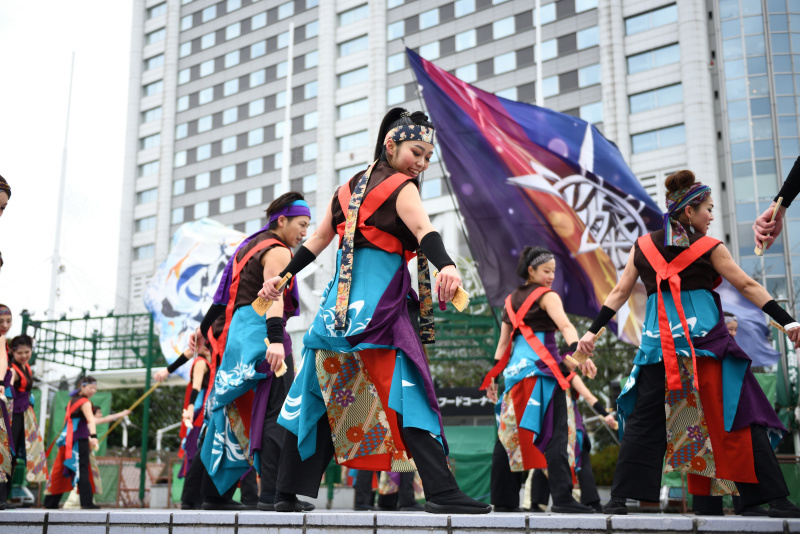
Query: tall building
{"type": "Point", "coordinates": [234, 102]}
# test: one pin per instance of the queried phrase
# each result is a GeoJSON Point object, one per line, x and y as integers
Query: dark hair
{"type": "Point", "coordinates": [5, 187]}
{"type": "Point", "coordinates": [526, 257]}
{"type": "Point", "coordinates": [82, 379]}
{"type": "Point", "coordinates": [729, 314]}
{"type": "Point", "coordinates": [393, 119]}
{"type": "Point", "coordinates": [679, 180]}
{"type": "Point", "coordinates": [21, 340]}
{"type": "Point", "coordinates": [281, 202]}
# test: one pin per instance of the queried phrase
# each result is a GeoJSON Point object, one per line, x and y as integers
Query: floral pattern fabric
{"type": "Point", "coordinates": [5, 447]}
{"type": "Point", "coordinates": [34, 449]}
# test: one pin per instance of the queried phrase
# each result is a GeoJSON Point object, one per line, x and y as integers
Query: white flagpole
{"type": "Point", "coordinates": [287, 118]}
{"type": "Point", "coordinates": [537, 24]}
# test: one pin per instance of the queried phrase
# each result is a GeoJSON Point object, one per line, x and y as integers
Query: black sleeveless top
{"type": "Point", "coordinates": [251, 278]}
{"type": "Point", "coordinates": [536, 318]}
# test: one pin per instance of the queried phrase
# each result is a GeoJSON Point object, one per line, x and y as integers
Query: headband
{"type": "Point", "coordinates": [731, 319]}
{"type": "Point", "coordinates": [295, 209]}
{"type": "Point", "coordinates": [544, 257]}
{"type": "Point", "coordinates": [87, 382]}
{"type": "Point", "coordinates": [674, 232]}
{"type": "Point", "coordinates": [409, 132]}
{"type": "Point", "coordinates": [5, 310]}
{"type": "Point", "coordinates": [5, 187]}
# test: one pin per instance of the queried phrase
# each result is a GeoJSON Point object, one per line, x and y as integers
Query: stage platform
{"type": "Point", "coordinates": [144, 521]}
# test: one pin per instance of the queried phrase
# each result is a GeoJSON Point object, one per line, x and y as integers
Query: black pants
{"type": "Point", "coordinates": [192, 494]}
{"type": "Point", "coordinates": [540, 485]}
{"type": "Point", "coordinates": [505, 485]}
{"type": "Point", "coordinates": [17, 439]}
{"type": "Point", "coordinates": [272, 436]}
{"type": "Point", "coordinates": [303, 477]}
{"type": "Point", "coordinates": [641, 454]}
{"type": "Point", "coordinates": [84, 486]}
{"type": "Point", "coordinates": [366, 497]}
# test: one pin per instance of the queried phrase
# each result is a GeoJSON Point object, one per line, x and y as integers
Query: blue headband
{"type": "Point", "coordinates": [295, 209]}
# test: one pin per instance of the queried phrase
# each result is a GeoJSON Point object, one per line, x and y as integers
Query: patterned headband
{"type": "Point", "coordinates": [674, 233]}
{"type": "Point", "coordinates": [5, 187]}
{"type": "Point", "coordinates": [544, 257]}
{"type": "Point", "coordinates": [731, 319]}
{"type": "Point", "coordinates": [409, 132]}
{"type": "Point", "coordinates": [88, 382]}
{"type": "Point", "coordinates": [5, 310]}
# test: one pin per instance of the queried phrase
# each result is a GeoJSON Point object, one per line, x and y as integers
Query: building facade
{"type": "Point", "coordinates": [233, 102]}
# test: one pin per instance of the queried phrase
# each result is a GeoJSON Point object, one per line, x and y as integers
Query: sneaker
{"type": "Point", "coordinates": [615, 506]}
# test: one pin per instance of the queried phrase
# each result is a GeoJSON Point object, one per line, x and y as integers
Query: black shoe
{"type": "Point", "coordinates": [416, 507]}
{"type": "Point", "coordinates": [363, 508]}
{"type": "Point", "coordinates": [227, 505]}
{"type": "Point", "coordinates": [90, 507]}
{"type": "Point", "coordinates": [536, 509]}
{"type": "Point", "coordinates": [754, 511]}
{"type": "Point", "coordinates": [265, 506]}
{"type": "Point", "coordinates": [596, 506]}
{"type": "Point", "coordinates": [783, 508]}
{"type": "Point", "coordinates": [250, 505]}
{"type": "Point", "coordinates": [7, 506]}
{"type": "Point", "coordinates": [455, 502]}
{"type": "Point", "coordinates": [573, 507]}
{"type": "Point", "coordinates": [615, 506]}
{"type": "Point", "coordinates": [288, 502]}
{"type": "Point", "coordinates": [506, 509]}
{"type": "Point", "coordinates": [190, 506]}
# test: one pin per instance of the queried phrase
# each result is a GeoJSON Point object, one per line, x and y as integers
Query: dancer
{"type": "Point", "coordinates": [6, 408]}
{"type": "Point", "coordinates": [76, 442]}
{"type": "Point", "coordinates": [764, 228]}
{"type": "Point", "coordinates": [361, 348]}
{"type": "Point", "coordinates": [532, 414]}
{"type": "Point", "coordinates": [26, 438]}
{"type": "Point", "coordinates": [5, 194]}
{"type": "Point", "coordinates": [248, 396]}
{"type": "Point", "coordinates": [714, 422]}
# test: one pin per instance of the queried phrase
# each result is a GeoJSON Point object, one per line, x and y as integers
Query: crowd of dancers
{"type": "Point", "coordinates": [363, 392]}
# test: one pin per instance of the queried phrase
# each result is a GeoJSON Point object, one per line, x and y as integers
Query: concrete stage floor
{"type": "Point", "coordinates": [145, 521]}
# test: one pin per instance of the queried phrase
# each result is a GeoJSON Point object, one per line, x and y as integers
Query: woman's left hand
{"type": "Point", "coordinates": [275, 356]}
{"type": "Point", "coordinates": [447, 281]}
{"type": "Point", "coordinates": [588, 368]}
{"type": "Point", "coordinates": [794, 336]}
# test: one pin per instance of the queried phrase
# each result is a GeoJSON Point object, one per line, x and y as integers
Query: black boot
{"type": "Point", "coordinates": [616, 506]}
{"type": "Point", "coordinates": [783, 507]}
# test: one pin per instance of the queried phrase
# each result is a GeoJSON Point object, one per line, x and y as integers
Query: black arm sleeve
{"type": "Point", "coordinates": [275, 330]}
{"type": "Point", "coordinates": [602, 319]}
{"type": "Point", "coordinates": [177, 363]}
{"type": "Point", "coordinates": [791, 186]}
{"type": "Point", "coordinates": [774, 310]}
{"type": "Point", "coordinates": [299, 262]}
{"type": "Point", "coordinates": [211, 315]}
{"type": "Point", "coordinates": [193, 397]}
{"type": "Point", "coordinates": [433, 248]}
{"type": "Point", "coordinates": [599, 408]}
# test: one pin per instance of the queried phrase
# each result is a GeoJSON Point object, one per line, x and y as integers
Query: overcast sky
{"type": "Point", "coordinates": [36, 43]}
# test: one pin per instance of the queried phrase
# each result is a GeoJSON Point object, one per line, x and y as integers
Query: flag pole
{"type": "Point", "coordinates": [537, 27]}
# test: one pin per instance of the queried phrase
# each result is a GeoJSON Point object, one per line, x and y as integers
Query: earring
{"type": "Point", "coordinates": [691, 228]}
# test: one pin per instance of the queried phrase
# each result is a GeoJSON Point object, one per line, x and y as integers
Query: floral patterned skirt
{"type": "Point", "coordinates": [5, 446]}
{"type": "Point", "coordinates": [523, 455]}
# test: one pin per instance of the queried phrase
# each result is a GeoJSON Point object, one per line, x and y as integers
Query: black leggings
{"type": "Point", "coordinates": [84, 486]}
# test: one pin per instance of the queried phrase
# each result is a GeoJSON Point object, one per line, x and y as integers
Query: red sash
{"type": "Point", "coordinates": [371, 203]}
{"type": "Point", "coordinates": [23, 378]}
{"type": "Point", "coordinates": [198, 416]}
{"type": "Point", "coordinates": [518, 323]}
{"type": "Point", "coordinates": [72, 407]}
{"type": "Point", "coordinates": [671, 272]}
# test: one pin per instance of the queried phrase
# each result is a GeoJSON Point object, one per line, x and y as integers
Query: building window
{"type": "Point", "coordinates": [145, 224]}
{"type": "Point", "coordinates": [144, 252]}
{"type": "Point", "coordinates": [549, 49]}
{"type": "Point", "coordinates": [227, 203]}
{"type": "Point", "coordinates": [228, 145]}
{"type": "Point", "coordinates": [256, 107]}
{"type": "Point", "coordinates": [348, 172]}
{"type": "Point", "coordinates": [510, 93]}
{"type": "Point", "coordinates": [233, 31]}
{"type": "Point", "coordinates": [311, 60]}
{"type": "Point", "coordinates": [201, 209]}
{"type": "Point", "coordinates": [505, 62]}
{"type": "Point", "coordinates": [178, 187]}
{"type": "Point", "coordinates": [431, 189]}
{"type": "Point", "coordinates": [309, 91]}
{"type": "Point", "coordinates": [592, 113]}
{"type": "Point", "coordinates": [465, 40]}
{"type": "Point", "coordinates": [204, 152]}
{"type": "Point", "coordinates": [281, 69]}
{"type": "Point", "coordinates": [153, 114]}
{"type": "Point", "coordinates": [280, 99]}
{"type": "Point", "coordinates": [184, 76]}
{"type": "Point", "coordinates": [231, 87]}
{"type": "Point", "coordinates": [208, 40]}
{"type": "Point", "coordinates": [285, 10]}
{"type": "Point", "coordinates": [205, 95]}
{"type": "Point", "coordinates": [186, 22]}
{"type": "Point", "coordinates": [177, 216]}
{"type": "Point", "coordinates": [584, 5]}
{"type": "Point", "coordinates": [283, 40]}
{"type": "Point", "coordinates": [147, 196]}
{"type": "Point", "coordinates": [209, 13]}
{"type": "Point", "coordinates": [467, 73]}
{"type": "Point", "coordinates": [258, 21]}
{"type": "Point", "coordinates": [395, 30]}
{"type": "Point", "coordinates": [429, 18]}
{"type": "Point", "coordinates": [503, 28]}
{"type": "Point", "coordinates": [312, 29]}
{"type": "Point", "coordinates": [589, 75]}
{"type": "Point", "coordinates": [394, 3]}
{"type": "Point", "coordinates": [352, 109]}
{"type": "Point", "coordinates": [280, 128]}
{"type": "Point", "coordinates": [154, 62]}
{"type": "Point", "coordinates": [588, 37]}
{"type": "Point", "coordinates": [153, 88]}
{"type": "Point", "coordinates": [156, 36]}
{"type": "Point", "coordinates": [548, 13]}
{"type": "Point", "coordinates": [663, 96]}
{"type": "Point", "coordinates": [204, 124]}
{"type": "Point", "coordinates": [148, 169]}
{"type": "Point", "coordinates": [346, 79]}
{"type": "Point", "coordinates": [230, 115]}
{"type": "Point", "coordinates": [655, 139]}
{"type": "Point", "coordinates": [252, 226]}
{"type": "Point", "coordinates": [151, 141]}
{"type": "Point", "coordinates": [278, 163]}
{"type": "Point", "coordinates": [396, 62]}
{"type": "Point", "coordinates": [353, 15]}
{"type": "Point", "coordinates": [354, 45]}
{"type": "Point", "coordinates": [310, 120]}
{"type": "Point", "coordinates": [395, 95]}
{"type": "Point", "coordinates": [207, 68]}
{"type": "Point", "coordinates": [310, 183]}
{"type": "Point", "coordinates": [464, 7]}
{"type": "Point", "coordinates": [651, 19]}
{"type": "Point", "coordinates": [430, 51]}
{"type": "Point", "coordinates": [157, 10]}
{"type": "Point", "coordinates": [253, 197]}
{"type": "Point", "coordinates": [550, 86]}
{"type": "Point", "coordinates": [181, 130]}
{"type": "Point", "coordinates": [233, 5]}
{"type": "Point", "coordinates": [255, 137]}
{"type": "Point", "coordinates": [310, 152]}
{"type": "Point", "coordinates": [258, 77]}
{"type": "Point", "coordinates": [179, 160]}
{"type": "Point", "coordinates": [654, 58]}
{"type": "Point", "coordinates": [182, 103]}
{"type": "Point", "coordinates": [352, 141]}
{"type": "Point", "coordinates": [231, 60]}
{"type": "Point", "coordinates": [185, 49]}
{"type": "Point", "coordinates": [227, 174]}
{"type": "Point", "coordinates": [258, 49]}
{"type": "Point", "coordinates": [255, 166]}
{"type": "Point", "coordinates": [202, 181]}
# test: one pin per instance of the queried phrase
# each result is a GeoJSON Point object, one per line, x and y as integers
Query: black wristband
{"type": "Point", "coordinates": [599, 408]}
{"type": "Point", "coordinates": [275, 329]}
{"type": "Point", "coordinates": [193, 396]}
{"type": "Point", "coordinates": [602, 319]}
{"type": "Point", "coordinates": [573, 347]}
{"type": "Point", "coordinates": [564, 369]}
{"type": "Point", "coordinates": [211, 315]}
{"type": "Point", "coordinates": [774, 310]}
{"type": "Point", "coordinates": [299, 262]}
{"type": "Point", "coordinates": [93, 436]}
{"type": "Point", "coordinates": [433, 248]}
{"type": "Point", "coordinates": [177, 363]}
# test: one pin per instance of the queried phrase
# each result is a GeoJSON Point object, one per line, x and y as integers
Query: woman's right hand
{"type": "Point", "coordinates": [161, 375]}
{"type": "Point", "coordinates": [269, 291]}
{"type": "Point", "coordinates": [491, 392]}
{"type": "Point", "coordinates": [794, 336]}
{"type": "Point", "coordinates": [586, 344]}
